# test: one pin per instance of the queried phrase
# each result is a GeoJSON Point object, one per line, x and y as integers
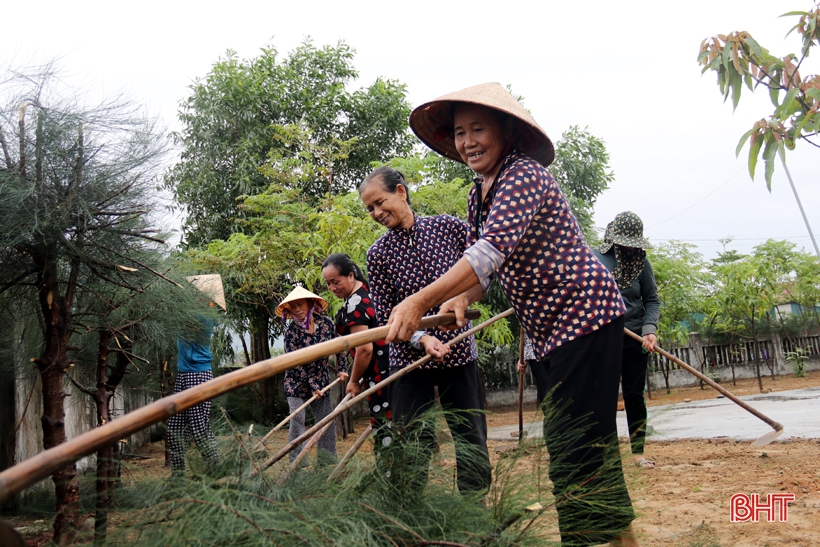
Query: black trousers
{"type": "Point", "coordinates": [460, 396]}
{"type": "Point", "coordinates": [540, 372]}
{"type": "Point", "coordinates": [633, 380]}
{"type": "Point", "coordinates": [581, 435]}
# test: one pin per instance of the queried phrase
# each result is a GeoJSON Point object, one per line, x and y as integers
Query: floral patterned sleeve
{"type": "Point", "coordinates": [380, 287]}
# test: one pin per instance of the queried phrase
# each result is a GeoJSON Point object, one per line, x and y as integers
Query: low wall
{"type": "Point", "coordinates": [677, 379]}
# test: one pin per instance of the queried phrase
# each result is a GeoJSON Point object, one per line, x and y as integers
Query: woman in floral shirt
{"type": "Point", "coordinates": [525, 235]}
{"type": "Point", "coordinates": [308, 326]}
{"type": "Point", "coordinates": [370, 361]}
{"type": "Point", "coordinates": [413, 253]}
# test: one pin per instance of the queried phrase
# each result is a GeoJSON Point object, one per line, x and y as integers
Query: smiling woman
{"type": "Point", "coordinates": [370, 361]}
{"type": "Point", "coordinates": [413, 253]}
{"type": "Point", "coordinates": [524, 235]}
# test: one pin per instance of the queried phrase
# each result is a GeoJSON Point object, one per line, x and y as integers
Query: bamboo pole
{"type": "Point", "coordinates": [389, 380]}
{"type": "Point", "coordinates": [303, 454]}
{"type": "Point", "coordinates": [350, 453]}
{"type": "Point", "coordinates": [521, 388]}
{"type": "Point", "coordinates": [765, 439]}
{"type": "Point", "coordinates": [290, 416]}
{"type": "Point", "coordinates": [44, 464]}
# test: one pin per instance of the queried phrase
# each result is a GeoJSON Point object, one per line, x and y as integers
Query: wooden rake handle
{"type": "Point", "coordinates": [290, 416]}
{"type": "Point", "coordinates": [387, 381]}
{"type": "Point", "coordinates": [44, 464]}
{"type": "Point", "coordinates": [726, 393]}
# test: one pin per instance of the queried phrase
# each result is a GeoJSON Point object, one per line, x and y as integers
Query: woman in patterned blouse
{"type": "Point", "coordinates": [413, 253]}
{"type": "Point", "coordinates": [525, 235]}
{"type": "Point", "coordinates": [370, 361]}
{"type": "Point", "coordinates": [308, 326]}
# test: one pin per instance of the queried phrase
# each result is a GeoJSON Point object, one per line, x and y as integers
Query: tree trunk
{"type": "Point", "coordinates": [757, 360]}
{"type": "Point", "coordinates": [104, 455]}
{"type": "Point", "coordinates": [106, 387]}
{"type": "Point", "coordinates": [52, 364]}
{"type": "Point", "coordinates": [272, 389]}
{"type": "Point", "coordinates": [166, 387]}
{"type": "Point", "coordinates": [769, 361]}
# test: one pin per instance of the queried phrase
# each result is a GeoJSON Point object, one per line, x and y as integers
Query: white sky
{"type": "Point", "coordinates": [626, 70]}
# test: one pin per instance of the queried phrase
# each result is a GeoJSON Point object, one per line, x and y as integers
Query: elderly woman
{"type": "Point", "coordinates": [308, 326]}
{"type": "Point", "coordinates": [525, 235]}
{"type": "Point", "coordinates": [414, 252]}
{"type": "Point", "coordinates": [624, 254]}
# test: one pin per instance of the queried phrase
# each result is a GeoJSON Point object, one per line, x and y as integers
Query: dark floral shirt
{"type": "Point", "coordinates": [303, 380]}
{"type": "Point", "coordinates": [531, 241]}
{"type": "Point", "coordinates": [359, 309]}
{"type": "Point", "coordinates": [404, 261]}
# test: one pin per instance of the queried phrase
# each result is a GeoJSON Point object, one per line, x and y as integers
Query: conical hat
{"type": "Point", "coordinates": [211, 285]}
{"type": "Point", "coordinates": [433, 122]}
{"type": "Point", "coordinates": [298, 293]}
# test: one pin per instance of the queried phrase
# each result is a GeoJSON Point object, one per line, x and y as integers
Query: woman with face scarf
{"type": "Point", "coordinates": [623, 253]}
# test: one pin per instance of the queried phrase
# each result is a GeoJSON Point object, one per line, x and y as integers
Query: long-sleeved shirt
{"type": "Point", "coordinates": [404, 261]}
{"type": "Point", "coordinates": [643, 307]}
{"type": "Point", "coordinates": [531, 241]}
{"type": "Point", "coordinates": [301, 381]}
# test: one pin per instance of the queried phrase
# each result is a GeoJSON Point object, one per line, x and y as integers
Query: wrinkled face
{"type": "Point", "coordinates": [299, 308]}
{"type": "Point", "coordinates": [389, 210]}
{"type": "Point", "coordinates": [478, 137]}
{"type": "Point", "coordinates": [340, 285]}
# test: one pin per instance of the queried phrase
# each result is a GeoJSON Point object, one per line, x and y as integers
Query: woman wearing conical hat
{"type": "Point", "coordinates": [524, 234]}
{"type": "Point", "coordinates": [307, 325]}
{"type": "Point", "coordinates": [623, 253]}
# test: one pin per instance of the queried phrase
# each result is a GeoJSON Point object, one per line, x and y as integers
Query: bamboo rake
{"type": "Point", "coordinates": [389, 380]}
{"type": "Point", "coordinates": [303, 454]}
{"type": "Point", "coordinates": [44, 464]}
{"type": "Point", "coordinates": [262, 444]}
{"type": "Point", "coordinates": [350, 453]}
{"type": "Point", "coordinates": [763, 440]}
{"type": "Point", "coordinates": [521, 388]}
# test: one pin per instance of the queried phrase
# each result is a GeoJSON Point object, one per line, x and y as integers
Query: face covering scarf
{"type": "Point", "coordinates": [630, 265]}
{"type": "Point", "coordinates": [304, 324]}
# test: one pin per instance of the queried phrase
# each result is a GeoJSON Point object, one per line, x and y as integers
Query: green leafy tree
{"type": "Point", "coordinates": [745, 291]}
{"type": "Point", "coordinates": [740, 61]}
{"type": "Point", "coordinates": [228, 129]}
{"type": "Point", "coordinates": [74, 193]}
{"type": "Point", "coordinates": [682, 278]}
{"type": "Point", "coordinates": [805, 289]}
{"type": "Point", "coordinates": [582, 170]}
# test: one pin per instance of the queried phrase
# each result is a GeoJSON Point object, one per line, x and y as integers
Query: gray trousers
{"type": "Point", "coordinates": [321, 407]}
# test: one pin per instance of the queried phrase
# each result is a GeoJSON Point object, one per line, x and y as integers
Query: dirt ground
{"type": "Point", "coordinates": [683, 502]}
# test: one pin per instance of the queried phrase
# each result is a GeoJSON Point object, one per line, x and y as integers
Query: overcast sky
{"type": "Point", "coordinates": [626, 70]}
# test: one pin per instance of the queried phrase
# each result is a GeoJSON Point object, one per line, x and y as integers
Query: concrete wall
{"type": "Point", "coordinates": [80, 416]}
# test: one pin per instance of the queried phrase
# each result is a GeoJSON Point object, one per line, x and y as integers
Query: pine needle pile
{"type": "Point", "coordinates": [365, 506]}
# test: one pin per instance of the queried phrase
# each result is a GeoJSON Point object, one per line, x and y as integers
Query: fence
{"type": "Point", "coordinates": [721, 362]}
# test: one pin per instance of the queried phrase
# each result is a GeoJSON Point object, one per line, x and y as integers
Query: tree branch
{"type": "Point", "coordinates": [85, 390]}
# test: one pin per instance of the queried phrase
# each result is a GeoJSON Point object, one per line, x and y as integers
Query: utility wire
{"type": "Point", "coordinates": [699, 201]}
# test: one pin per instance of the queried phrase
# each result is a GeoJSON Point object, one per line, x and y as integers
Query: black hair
{"type": "Point", "coordinates": [344, 265]}
{"type": "Point", "coordinates": [508, 124]}
{"type": "Point", "coordinates": [390, 179]}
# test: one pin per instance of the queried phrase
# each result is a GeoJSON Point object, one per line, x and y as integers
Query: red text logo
{"type": "Point", "coordinates": [745, 508]}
